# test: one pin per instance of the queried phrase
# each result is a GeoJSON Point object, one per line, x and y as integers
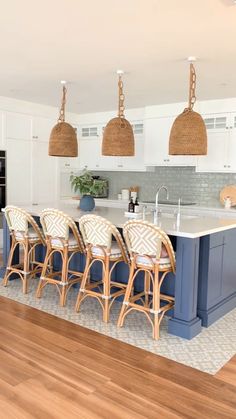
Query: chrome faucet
{"type": "Point", "coordinates": [157, 212]}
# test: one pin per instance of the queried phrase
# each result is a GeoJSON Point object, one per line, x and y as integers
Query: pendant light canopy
{"type": "Point", "coordinates": [118, 136]}
{"type": "Point", "coordinates": [188, 134]}
{"type": "Point", "coordinates": [63, 139]}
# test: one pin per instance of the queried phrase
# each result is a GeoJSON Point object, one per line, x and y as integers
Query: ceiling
{"type": "Point", "coordinates": [86, 41]}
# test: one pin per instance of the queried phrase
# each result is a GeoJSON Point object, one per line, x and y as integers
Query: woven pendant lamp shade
{"type": "Point", "coordinates": [63, 141]}
{"type": "Point", "coordinates": [118, 136]}
{"type": "Point", "coordinates": [188, 134]}
{"type": "Point", "coordinates": [63, 138]}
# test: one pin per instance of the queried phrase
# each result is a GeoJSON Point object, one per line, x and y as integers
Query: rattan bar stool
{"type": "Point", "coordinates": [62, 236]}
{"type": "Point", "coordinates": [26, 235]}
{"type": "Point", "coordinates": [150, 251]}
{"type": "Point", "coordinates": [104, 243]}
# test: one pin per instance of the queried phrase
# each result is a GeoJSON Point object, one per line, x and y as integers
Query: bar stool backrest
{"type": "Point", "coordinates": [19, 220]}
{"type": "Point", "coordinates": [144, 238]}
{"type": "Point", "coordinates": [97, 231]}
{"type": "Point", "coordinates": [58, 225]}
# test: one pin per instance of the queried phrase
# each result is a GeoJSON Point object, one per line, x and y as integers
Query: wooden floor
{"type": "Point", "coordinates": [50, 368]}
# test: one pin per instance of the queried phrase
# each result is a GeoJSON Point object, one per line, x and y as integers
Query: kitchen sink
{"type": "Point", "coordinates": [169, 202]}
{"type": "Point", "coordinates": [182, 216]}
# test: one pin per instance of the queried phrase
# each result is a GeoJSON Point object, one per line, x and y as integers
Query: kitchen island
{"type": "Point", "coordinates": [205, 282]}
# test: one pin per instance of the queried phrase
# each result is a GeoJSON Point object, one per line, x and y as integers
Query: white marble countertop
{"type": "Point", "coordinates": [190, 226]}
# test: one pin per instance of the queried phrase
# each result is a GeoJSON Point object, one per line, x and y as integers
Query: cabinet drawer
{"type": "Point", "coordinates": [217, 239]}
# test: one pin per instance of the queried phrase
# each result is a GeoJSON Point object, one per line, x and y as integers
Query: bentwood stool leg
{"type": "Point", "coordinates": [106, 290]}
{"type": "Point", "coordinates": [43, 274]}
{"type": "Point", "coordinates": [156, 304]}
{"type": "Point", "coordinates": [147, 287]}
{"type": "Point", "coordinates": [9, 263]}
{"type": "Point", "coordinates": [64, 278]}
{"type": "Point", "coordinates": [128, 294]}
{"type": "Point", "coordinates": [26, 266]}
{"type": "Point", "coordinates": [86, 277]}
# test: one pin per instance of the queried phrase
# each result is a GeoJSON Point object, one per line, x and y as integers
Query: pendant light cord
{"type": "Point", "coordinates": [121, 99]}
{"type": "Point", "coordinates": [63, 103]}
{"type": "Point", "coordinates": [192, 87]}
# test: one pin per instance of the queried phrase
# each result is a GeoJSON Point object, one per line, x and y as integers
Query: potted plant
{"type": "Point", "coordinates": [87, 186]}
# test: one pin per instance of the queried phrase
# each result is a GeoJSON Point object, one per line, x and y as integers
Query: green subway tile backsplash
{"type": "Point", "coordinates": [183, 182]}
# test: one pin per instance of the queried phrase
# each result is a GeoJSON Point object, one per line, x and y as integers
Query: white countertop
{"type": "Point", "coordinates": [191, 226]}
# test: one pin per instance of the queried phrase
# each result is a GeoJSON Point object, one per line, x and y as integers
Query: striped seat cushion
{"type": "Point", "coordinates": [147, 261]}
{"type": "Point", "coordinates": [115, 251]}
{"type": "Point", "coordinates": [33, 236]}
{"type": "Point", "coordinates": [56, 242]}
{"type": "Point", "coordinates": [164, 260]}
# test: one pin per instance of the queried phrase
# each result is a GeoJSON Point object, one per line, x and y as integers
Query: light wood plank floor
{"type": "Point", "coordinates": [50, 368]}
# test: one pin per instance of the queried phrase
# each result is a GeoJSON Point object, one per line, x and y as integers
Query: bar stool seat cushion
{"type": "Point", "coordinates": [33, 236]}
{"type": "Point", "coordinates": [115, 251]}
{"type": "Point", "coordinates": [149, 261]}
{"type": "Point", "coordinates": [72, 242]}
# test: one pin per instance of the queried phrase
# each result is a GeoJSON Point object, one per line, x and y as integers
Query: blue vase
{"type": "Point", "coordinates": [87, 203]}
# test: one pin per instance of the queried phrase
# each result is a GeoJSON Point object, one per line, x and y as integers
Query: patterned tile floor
{"type": "Point", "coordinates": [207, 352]}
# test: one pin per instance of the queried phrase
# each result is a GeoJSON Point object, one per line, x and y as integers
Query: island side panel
{"type": "Point", "coordinates": [217, 276]}
{"type": "Point", "coordinates": [185, 322]}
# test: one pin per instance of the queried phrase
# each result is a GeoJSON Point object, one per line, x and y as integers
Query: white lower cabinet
{"type": "Point", "coordinates": [43, 174]}
{"type": "Point", "coordinates": [18, 172]}
{"type": "Point", "coordinates": [157, 134]}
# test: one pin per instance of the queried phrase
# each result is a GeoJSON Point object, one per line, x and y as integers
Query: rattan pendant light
{"type": "Point", "coordinates": [188, 134]}
{"type": "Point", "coordinates": [63, 139]}
{"type": "Point", "coordinates": [118, 136]}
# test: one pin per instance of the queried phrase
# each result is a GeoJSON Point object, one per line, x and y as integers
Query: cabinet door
{"type": "Point", "coordinates": [18, 172]}
{"type": "Point", "coordinates": [2, 139]}
{"type": "Point", "coordinates": [218, 137]}
{"type": "Point", "coordinates": [18, 126]}
{"type": "Point", "coordinates": [69, 164]}
{"type": "Point", "coordinates": [216, 158]}
{"type": "Point", "coordinates": [44, 174]}
{"type": "Point", "coordinates": [89, 154]}
{"type": "Point", "coordinates": [231, 157]}
{"type": "Point", "coordinates": [41, 128]}
{"type": "Point", "coordinates": [137, 161]}
{"type": "Point", "coordinates": [157, 134]}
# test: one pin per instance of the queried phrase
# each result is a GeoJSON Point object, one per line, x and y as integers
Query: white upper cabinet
{"type": "Point", "coordinates": [18, 126]}
{"type": "Point", "coordinates": [2, 137]}
{"type": "Point", "coordinates": [157, 134]}
{"type": "Point", "coordinates": [27, 127]}
{"type": "Point", "coordinates": [221, 144]}
{"type": "Point", "coordinates": [42, 127]}
{"type": "Point", "coordinates": [91, 150]}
